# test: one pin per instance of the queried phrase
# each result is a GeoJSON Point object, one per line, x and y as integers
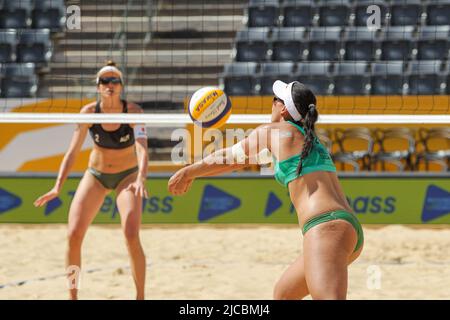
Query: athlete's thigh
{"type": "Point", "coordinates": [86, 202]}
{"type": "Point", "coordinates": [327, 249]}
{"type": "Point", "coordinates": [292, 283]}
{"type": "Point", "coordinates": [129, 204]}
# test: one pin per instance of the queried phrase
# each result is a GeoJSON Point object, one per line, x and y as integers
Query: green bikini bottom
{"type": "Point", "coordinates": [337, 215]}
{"type": "Point", "coordinates": [111, 180]}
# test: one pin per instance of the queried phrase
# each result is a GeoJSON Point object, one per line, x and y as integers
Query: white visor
{"type": "Point", "coordinates": [108, 69]}
{"type": "Point", "coordinates": [284, 92]}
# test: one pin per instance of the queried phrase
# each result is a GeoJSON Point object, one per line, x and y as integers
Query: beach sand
{"type": "Point", "coordinates": [217, 262]}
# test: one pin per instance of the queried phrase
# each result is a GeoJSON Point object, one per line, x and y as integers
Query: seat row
{"type": "Point", "coordinates": [406, 149]}
{"type": "Point", "coordinates": [292, 13]}
{"type": "Point", "coordinates": [334, 43]}
{"type": "Point", "coordinates": [25, 46]}
{"type": "Point", "coordinates": [37, 14]}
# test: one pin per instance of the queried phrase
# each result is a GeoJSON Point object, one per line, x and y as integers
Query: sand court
{"type": "Point", "coordinates": [217, 262]}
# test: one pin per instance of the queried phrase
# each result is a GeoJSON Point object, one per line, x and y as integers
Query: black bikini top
{"type": "Point", "coordinates": [121, 138]}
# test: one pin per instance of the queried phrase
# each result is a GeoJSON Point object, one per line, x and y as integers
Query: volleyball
{"type": "Point", "coordinates": [209, 107]}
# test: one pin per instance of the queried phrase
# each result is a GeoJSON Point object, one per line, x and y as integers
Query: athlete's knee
{"type": "Point", "coordinates": [131, 232]}
{"type": "Point", "coordinates": [281, 292]}
{"type": "Point", "coordinates": [329, 295]}
{"type": "Point", "coordinates": [75, 237]}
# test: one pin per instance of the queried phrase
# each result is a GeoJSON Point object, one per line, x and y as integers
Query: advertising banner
{"type": "Point", "coordinates": [237, 200]}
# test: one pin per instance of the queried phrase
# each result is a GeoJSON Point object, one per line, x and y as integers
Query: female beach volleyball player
{"type": "Point", "coordinates": [333, 237]}
{"type": "Point", "coordinates": [117, 162]}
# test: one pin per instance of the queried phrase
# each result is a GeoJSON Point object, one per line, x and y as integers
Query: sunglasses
{"type": "Point", "coordinates": [275, 99]}
{"type": "Point", "coordinates": [112, 80]}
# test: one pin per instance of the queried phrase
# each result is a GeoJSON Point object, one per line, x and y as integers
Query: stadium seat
{"type": "Point", "coordinates": [388, 141]}
{"type": "Point", "coordinates": [387, 78]}
{"type": "Point", "coordinates": [433, 43]}
{"type": "Point", "coordinates": [288, 44]}
{"type": "Point", "coordinates": [397, 43]}
{"type": "Point", "coordinates": [360, 141]}
{"type": "Point", "coordinates": [252, 44]}
{"type": "Point", "coordinates": [426, 67]}
{"type": "Point", "coordinates": [425, 84]}
{"type": "Point", "coordinates": [350, 68]}
{"type": "Point", "coordinates": [48, 14]}
{"type": "Point", "coordinates": [351, 85]}
{"type": "Point", "coordinates": [238, 78]}
{"type": "Point", "coordinates": [263, 13]}
{"type": "Point", "coordinates": [361, 15]}
{"type": "Point", "coordinates": [438, 12]}
{"type": "Point", "coordinates": [8, 42]}
{"type": "Point", "coordinates": [319, 84]}
{"type": "Point", "coordinates": [19, 81]}
{"type": "Point", "coordinates": [435, 145]}
{"type": "Point", "coordinates": [270, 72]}
{"type": "Point", "coordinates": [317, 68]}
{"type": "Point", "coordinates": [324, 44]}
{"type": "Point", "coordinates": [406, 13]}
{"type": "Point", "coordinates": [298, 13]}
{"type": "Point", "coordinates": [34, 46]}
{"type": "Point", "coordinates": [15, 14]}
{"type": "Point", "coordinates": [360, 44]}
{"type": "Point", "coordinates": [334, 13]}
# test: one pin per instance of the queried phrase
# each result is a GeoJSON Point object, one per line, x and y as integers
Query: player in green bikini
{"type": "Point", "coordinates": [333, 237]}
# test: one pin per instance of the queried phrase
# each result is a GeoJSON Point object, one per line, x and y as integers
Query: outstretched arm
{"type": "Point", "coordinates": [242, 154]}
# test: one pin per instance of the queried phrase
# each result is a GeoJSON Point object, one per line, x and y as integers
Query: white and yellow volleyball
{"type": "Point", "coordinates": [209, 107]}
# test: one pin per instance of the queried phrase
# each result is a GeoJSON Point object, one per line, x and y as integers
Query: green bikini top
{"type": "Point", "coordinates": [318, 159]}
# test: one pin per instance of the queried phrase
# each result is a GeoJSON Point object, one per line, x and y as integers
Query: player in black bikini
{"type": "Point", "coordinates": [117, 162]}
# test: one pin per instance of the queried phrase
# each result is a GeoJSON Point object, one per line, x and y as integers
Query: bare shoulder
{"type": "Point", "coordinates": [89, 108]}
{"type": "Point", "coordinates": [134, 108]}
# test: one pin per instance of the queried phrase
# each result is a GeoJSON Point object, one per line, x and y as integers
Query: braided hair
{"type": "Point", "coordinates": [305, 102]}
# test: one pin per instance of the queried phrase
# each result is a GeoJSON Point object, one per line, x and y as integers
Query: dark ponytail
{"type": "Point", "coordinates": [305, 102]}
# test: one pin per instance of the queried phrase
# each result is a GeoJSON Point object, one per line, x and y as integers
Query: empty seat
{"type": "Point", "coordinates": [263, 13]}
{"type": "Point", "coordinates": [360, 44]}
{"type": "Point", "coordinates": [252, 44]}
{"type": "Point", "coordinates": [48, 14]}
{"type": "Point", "coordinates": [387, 68]}
{"type": "Point", "coordinates": [34, 46]}
{"type": "Point", "coordinates": [8, 42]}
{"type": "Point", "coordinates": [334, 13]}
{"type": "Point", "coordinates": [15, 14]}
{"type": "Point", "coordinates": [425, 84]}
{"type": "Point", "coordinates": [435, 144]}
{"type": "Point", "coordinates": [396, 49]}
{"type": "Point", "coordinates": [298, 13]}
{"type": "Point", "coordinates": [426, 67]}
{"type": "Point", "coordinates": [278, 68]}
{"type": "Point", "coordinates": [288, 44]}
{"type": "Point", "coordinates": [324, 44]}
{"type": "Point", "coordinates": [355, 148]}
{"type": "Point", "coordinates": [350, 68]}
{"type": "Point", "coordinates": [319, 85]}
{"type": "Point", "coordinates": [240, 69]}
{"type": "Point", "coordinates": [387, 85]}
{"type": "Point", "coordinates": [270, 72]}
{"type": "Point", "coordinates": [433, 42]}
{"type": "Point", "coordinates": [404, 13]}
{"type": "Point", "coordinates": [396, 146]}
{"type": "Point", "coordinates": [239, 86]}
{"type": "Point", "coordinates": [361, 15]}
{"type": "Point", "coordinates": [19, 81]}
{"type": "Point", "coordinates": [313, 68]}
{"type": "Point", "coordinates": [351, 85]}
{"type": "Point", "coordinates": [387, 78]}
{"type": "Point", "coordinates": [18, 70]}
{"type": "Point", "coordinates": [238, 78]}
{"type": "Point", "coordinates": [438, 12]}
